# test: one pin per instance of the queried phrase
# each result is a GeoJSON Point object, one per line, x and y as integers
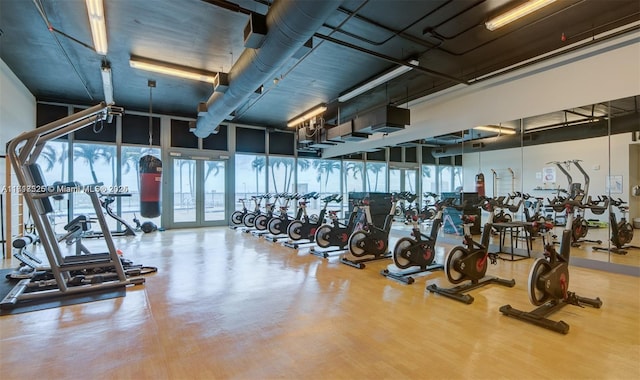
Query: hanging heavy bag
{"type": "Point", "coordinates": [480, 184]}
{"type": "Point", "coordinates": [150, 186]}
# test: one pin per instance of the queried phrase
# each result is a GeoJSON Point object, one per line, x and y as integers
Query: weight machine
{"type": "Point", "coordinates": [23, 152]}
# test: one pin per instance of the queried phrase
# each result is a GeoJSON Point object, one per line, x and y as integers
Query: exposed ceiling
{"type": "Point", "coordinates": [47, 44]}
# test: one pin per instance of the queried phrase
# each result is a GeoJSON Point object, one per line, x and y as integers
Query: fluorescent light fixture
{"type": "Point", "coordinates": [107, 84]}
{"type": "Point", "coordinates": [377, 81]}
{"type": "Point", "coordinates": [307, 115]}
{"type": "Point", "coordinates": [516, 13]}
{"type": "Point", "coordinates": [172, 70]}
{"type": "Point", "coordinates": [95, 8]}
{"type": "Point", "coordinates": [497, 129]}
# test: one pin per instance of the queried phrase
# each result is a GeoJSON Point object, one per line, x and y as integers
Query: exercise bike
{"type": "Point", "coordinates": [261, 220]}
{"type": "Point", "coordinates": [371, 242]}
{"type": "Point", "coordinates": [469, 263]}
{"type": "Point", "coordinates": [278, 225]}
{"type": "Point", "coordinates": [306, 227]}
{"type": "Point", "coordinates": [333, 238]}
{"type": "Point", "coordinates": [236, 217]}
{"type": "Point", "coordinates": [537, 219]}
{"type": "Point", "coordinates": [549, 282]}
{"type": "Point", "coordinates": [621, 232]}
{"type": "Point", "coordinates": [249, 217]}
{"type": "Point", "coordinates": [416, 254]}
{"type": "Point", "coordinates": [429, 210]}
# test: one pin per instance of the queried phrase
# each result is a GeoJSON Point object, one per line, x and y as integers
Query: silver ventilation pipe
{"type": "Point", "coordinates": [290, 24]}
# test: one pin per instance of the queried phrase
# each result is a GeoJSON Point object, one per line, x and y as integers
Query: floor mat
{"type": "Point", "coordinates": [55, 300]}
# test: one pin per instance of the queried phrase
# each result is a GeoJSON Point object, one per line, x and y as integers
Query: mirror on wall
{"type": "Point", "coordinates": [592, 151]}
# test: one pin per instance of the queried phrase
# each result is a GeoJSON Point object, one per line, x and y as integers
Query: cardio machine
{"type": "Point", "coordinates": [305, 227]}
{"type": "Point", "coordinates": [371, 242]}
{"type": "Point", "coordinates": [277, 226]}
{"type": "Point", "coordinates": [579, 225]}
{"type": "Point", "coordinates": [621, 232]}
{"type": "Point", "coordinates": [332, 238]}
{"type": "Point", "coordinates": [105, 201]}
{"type": "Point", "coordinates": [416, 254]}
{"type": "Point", "coordinates": [236, 217]}
{"type": "Point", "coordinates": [469, 263]}
{"type": "Point", "coordinates": [549, 282]}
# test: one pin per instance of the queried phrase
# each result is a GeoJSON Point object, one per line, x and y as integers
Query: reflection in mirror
{"type": "Point", "coordinates": [590, 152]}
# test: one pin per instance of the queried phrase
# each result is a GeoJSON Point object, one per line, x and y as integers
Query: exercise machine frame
{"type": "Point", "coordinates": [549, 283]}
{"type": "Point", "coordinates": [469, 263]}
{"type": "Point", "coordinates": [23, 152]}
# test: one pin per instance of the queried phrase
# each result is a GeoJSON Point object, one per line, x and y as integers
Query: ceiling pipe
{"type": "Point", "coordinates": [289, 25]}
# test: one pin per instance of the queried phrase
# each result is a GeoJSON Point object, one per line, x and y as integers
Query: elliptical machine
{"type": "Point", "coordinates": [549, 282]}
{"type": "Point", "coordinates": [416, 254]}
{"type": "Point", "coordinates": [371, 242]}
{"type": "Point", "coordinates": [105, 201]}
{"type": "Point", "coordinates": [621, 232]}
{"type": "Point", "coordinates": [469, 263]}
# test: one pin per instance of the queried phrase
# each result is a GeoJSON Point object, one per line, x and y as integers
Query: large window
{"type": "Point", "coordinates": [93, 164]}
{"type": "Point", "coordinates": [395, 180]}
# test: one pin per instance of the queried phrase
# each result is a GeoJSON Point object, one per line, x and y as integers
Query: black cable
{"type": "Point", "coordinates": [40, 9]}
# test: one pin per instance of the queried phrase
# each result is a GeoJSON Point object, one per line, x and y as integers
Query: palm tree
{"type": "Point", "coordinates": [327, 168]}
{"type": "Point", "coordinates": [355, 168]}
{"type": "Point", "coordinates": [130, 161]}
{"type": "Point", "coordinates": [288, 172]}
{"type": "Point", "coordinates": [257, 165]}
{"type": "Point", "coordinates": [212, 166]}
{"type": "Point", "coordinates": [62, 159]}
{"type": "Point", "coordinates": [275, 163]}
{"type": "Point", "coordinates": [48, 157]}
{"type": "Point", "coordinates": [90, 153]}
{"type": "Point", "coordinates": [375, 168]}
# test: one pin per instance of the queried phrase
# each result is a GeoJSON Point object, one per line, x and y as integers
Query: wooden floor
{"type": "Point", "coordinates": [226, 304]}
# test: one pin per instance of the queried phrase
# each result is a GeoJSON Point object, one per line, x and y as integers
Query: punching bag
{"type": "Point", "coordinates": [480, 184]}
{"type": "Point", "coordinates": [150, 186]}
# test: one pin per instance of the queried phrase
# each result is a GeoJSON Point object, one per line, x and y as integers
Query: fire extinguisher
{"type": "Point", "coordinates": [480, 184]}
{"type": "Point", "coordinates": [150, 186]}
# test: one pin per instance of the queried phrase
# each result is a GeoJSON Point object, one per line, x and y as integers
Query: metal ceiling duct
{"type": "Point", "coordinates": [290, 25]}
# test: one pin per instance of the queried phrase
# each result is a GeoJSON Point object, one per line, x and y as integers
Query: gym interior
{"type": "Point", "coordinates": [320, 189]}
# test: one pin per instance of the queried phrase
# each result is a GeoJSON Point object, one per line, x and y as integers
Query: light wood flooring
{"type": "Point", "coordinates": [226, 304]}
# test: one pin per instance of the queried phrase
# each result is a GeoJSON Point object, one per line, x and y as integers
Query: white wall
{"type": "Point", "coordinates": [17, 114]}
{"type": "Point", "coordinates": [594, 153]}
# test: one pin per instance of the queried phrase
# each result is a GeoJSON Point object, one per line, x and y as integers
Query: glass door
{"type": "Point", "coordinates": [198, 198]}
